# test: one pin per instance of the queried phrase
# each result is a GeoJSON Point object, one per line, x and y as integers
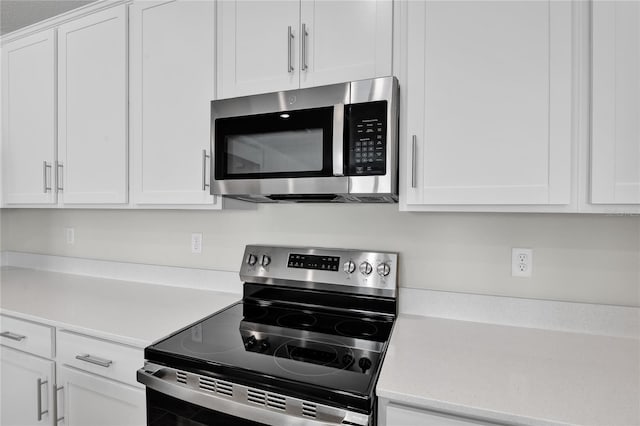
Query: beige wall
{"type": "Point", "coordinates": [582, 258]}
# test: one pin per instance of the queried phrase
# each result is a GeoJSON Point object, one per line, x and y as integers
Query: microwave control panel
{"type": "Point", "coordinates": [366, 143]}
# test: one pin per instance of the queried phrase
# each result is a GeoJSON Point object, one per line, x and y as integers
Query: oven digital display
{"type": "Point", "coordinates": [309, 261]}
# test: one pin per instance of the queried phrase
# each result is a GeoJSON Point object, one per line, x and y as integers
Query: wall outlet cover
{"type": "Point", "coordinates": [521, 262]}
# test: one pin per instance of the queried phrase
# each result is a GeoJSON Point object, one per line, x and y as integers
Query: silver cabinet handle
{"type": "Point", "coordinates": [40, 412]}
{"type": "Point", "coordinates": [95, 360]}
{"type": "Point", "coordinates": [304, 66]}
{"type": "Point", "coordinates": [414, 151]}
{"type": "Point", "coordinates": [13, 336]}
{"type": "Point", "coordinates": [45, 166]}
{"type": "Point", "coordinates": [289, 48]}
{"type": "Point", "coordinates": [59, 419]}
{"type": "Point", "coordinates": [59, 186]}
{"type": "Point", "coordinates": [205, 156]}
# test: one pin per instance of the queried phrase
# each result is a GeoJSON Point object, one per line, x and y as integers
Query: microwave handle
{"type": "Point", "coordinates": [338, 140]}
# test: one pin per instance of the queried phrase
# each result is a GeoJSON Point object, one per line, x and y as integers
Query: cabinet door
{"type": "Point", "coordinates": [28, 119]}
{"type": "Point", "coordinates": [257, 47]}
{"type": "Point", "coordinates": [344, 40]}
{"type": "Point", "coordinates": [92, 108]}
{"type": "Point", "coordinates": [615, 142]}
{"type": "Point", "coordinates": [489, 97]}
{"type": "Point", "coordinates": [407, 416]}
{"type": "Point", "coordinates": [26, 396]}
{"type": "Point", "coordinates": [92, 400]}
{"type": "Point", "coordinates": [173, 79]}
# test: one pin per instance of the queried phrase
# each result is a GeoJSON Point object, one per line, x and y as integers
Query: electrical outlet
{"type": "Point", "coordinates": [70, 236]}
{"type": "Point", "coordinates": [521, 262]}
{"type": "Point", "coordinates": [196, 243]}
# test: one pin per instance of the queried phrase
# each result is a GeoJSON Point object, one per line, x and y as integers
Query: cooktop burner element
{"type": "Point", "coordinates": [297, 319]}
{"type": "Point", "coordinates": [356, 328]}
{"type": "Point", "coordinates": [309, 332]}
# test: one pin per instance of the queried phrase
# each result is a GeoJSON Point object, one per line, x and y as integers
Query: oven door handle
{"type": "Point", "coordinates": [163, 380]}
{"type": "Point", "coordinates": [338, 140]}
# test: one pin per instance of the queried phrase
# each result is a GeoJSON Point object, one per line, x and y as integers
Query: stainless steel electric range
{"type": "Point", "coordinates": [303, 347]}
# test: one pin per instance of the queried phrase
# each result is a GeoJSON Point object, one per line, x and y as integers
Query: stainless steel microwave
{"type": "Point", "coordinates": [336, 143]}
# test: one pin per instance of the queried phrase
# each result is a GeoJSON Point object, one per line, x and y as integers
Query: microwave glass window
{"type": "Point", "coordinates": [275, 152]}
{"type": "Point", "coordinates": [274, 145]}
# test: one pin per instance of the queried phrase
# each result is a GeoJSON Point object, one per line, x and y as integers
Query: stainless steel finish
{"type": "Point", "coordinates": [338, 140]}
{"type": "Point", "coordinates": [353, 189]}
{"type": "Point", "coordinates": [414, 150]}
{"type": "Point", "coordinates": [59, 419]}
{"type": "Point", "coordinates": [205, 157]}
{"type": "Point", "coordinates": [244, 401]}
{"type": "Point", "coordinates": [380, 89]}
{"type": "Point", "coordinates": [303, 66]}
{"type": "Point", "coordinates": [59, 183]}
{"type": "Point", "coordinates": [365, 268]}
{"type": "Point", "coordinates": [289, 49]}
{"type": "Point", "coordinates": [266, 260]}
{"type": "Point", "coordinates": [12, 336]}
{"type": "Point", "coordinates": [95, 360]}
{"type": "Point", "coordinates": [349, 267]}
{"type": "Point", "coordinates": [45, 187]}
{"type": "Point", "coordinates": [383, 269]}
{"type": "Point", "coordinates": [39, 407]}
{"type": "Point", "coordinates": [279, 273]}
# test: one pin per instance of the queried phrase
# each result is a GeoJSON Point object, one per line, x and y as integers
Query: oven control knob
{"type": "Point", "coordinates": [266, 260]}
{"type": "Point", "coordinates": [365, 364]}
{"type": "Point", "coordinates": [383, 269]}
{"type": "Point", "coordinates": [251, 342]}
{"type": "Point", "coordinates": [264, 345]}
{"type": "Point", "coordinates": [251, 260]}
{"type": "Point", "coordinates": [365, 268]}
{"type": "Point", "coordinates": [349, 267]}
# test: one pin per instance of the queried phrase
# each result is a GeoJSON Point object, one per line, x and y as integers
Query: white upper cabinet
{"type": "Point", "coordinates": [258, 45]}
{"type": "Point", "coordinates": [172, 85]}
{"type": "Point", "coordinates": [262, 46]}
{"type": "Point", "coordinates": [92, 108]}
{"type": "Point", "coordinates": [615, 137]}
{"type": "Point", "coordinates": [28, 119]}
{"type": "Point", "coordinates": [344, 41]}
{"type": "Point", "coordinates": [488, 104]}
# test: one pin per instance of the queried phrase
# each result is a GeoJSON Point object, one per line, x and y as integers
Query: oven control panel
{"type": "Point", "coordinates": [366, 143]}
{"type": "Point", "coordinates": [352, 271]}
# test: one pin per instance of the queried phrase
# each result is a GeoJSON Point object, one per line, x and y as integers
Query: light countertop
{"type": "Point", "coordinates": [512, 374]}
{"type": "Point", "coordinates": [493, 372]}
{"type": "Point", "coordinates": [127, 312]}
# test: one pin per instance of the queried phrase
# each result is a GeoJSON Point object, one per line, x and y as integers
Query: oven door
{"type": "Point", "coordinates": [175, 396]}
{"type": "Point", "coordinates": [165, 410]}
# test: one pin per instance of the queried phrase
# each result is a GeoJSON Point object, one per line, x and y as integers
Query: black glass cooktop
{"type": "Point", "coordinates": [319, 355]}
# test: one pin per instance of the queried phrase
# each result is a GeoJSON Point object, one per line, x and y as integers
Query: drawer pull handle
{"type": "Point", "coordinates": [59, 419]}
{"type": "Point", "coordinates": [40, 412]}
{"type": "Point", "coordinates": [13, 336]}
{"type": "Point", "coordinates": [95, 360]}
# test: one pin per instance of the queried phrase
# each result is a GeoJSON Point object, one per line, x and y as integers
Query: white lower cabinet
{"type": "Point", "coordinates": [26, 396]}
{"type": "Point", "coordinates": [399, 414]}
{"type": "Point", "coordinates": [87, 399]}
{"type": "Point", "coordinates": [98, 380]}
{"type": "Point", "coordinates": [87, 381]}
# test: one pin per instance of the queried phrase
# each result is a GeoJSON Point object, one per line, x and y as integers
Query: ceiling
{"type": "Point", "coordinates": [15, 14]}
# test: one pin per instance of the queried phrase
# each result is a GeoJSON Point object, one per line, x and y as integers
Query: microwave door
{"type": "Point", "coordinates": [293, 152]}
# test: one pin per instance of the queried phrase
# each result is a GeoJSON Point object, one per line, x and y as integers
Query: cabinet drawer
{"type": "Point", "coordinates": [108, 359]}
{"type": "Point", "coordinates": [27, 336]}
